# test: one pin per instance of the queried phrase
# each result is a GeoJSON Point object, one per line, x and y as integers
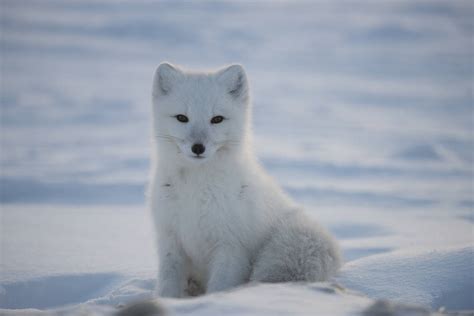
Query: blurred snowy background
{"type": "Point", "coordinates": [363, 111]}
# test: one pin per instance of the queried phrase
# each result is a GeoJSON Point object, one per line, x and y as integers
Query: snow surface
{"type": "Point", "coordinates": [363, 112]}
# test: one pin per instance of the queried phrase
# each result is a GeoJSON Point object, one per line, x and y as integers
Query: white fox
{"type": "Point", "coordinates": [220, 219]}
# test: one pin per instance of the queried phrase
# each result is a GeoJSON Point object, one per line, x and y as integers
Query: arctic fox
{"type": "Point", "coordinates": [220, 219]}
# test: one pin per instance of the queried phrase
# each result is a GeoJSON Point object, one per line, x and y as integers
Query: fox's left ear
{"type": "Point", "coordinates": [166, 77]}
{"type": "Point", "coordinates": [234, 79]}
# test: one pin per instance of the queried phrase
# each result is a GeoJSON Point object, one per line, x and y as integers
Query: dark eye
{"type": "Point", "coordinates": [182, 118]}
{"type": "Point", "coordinates": [217, 119]}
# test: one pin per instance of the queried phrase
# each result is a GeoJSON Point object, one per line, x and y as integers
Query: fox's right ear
{"type": "Point", "coordinates": [166, 76]}
{"type": "Point", "coordinates": [234, 79]}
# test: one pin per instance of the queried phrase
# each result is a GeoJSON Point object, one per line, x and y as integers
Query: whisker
{"type": "Point", "coordinates": [167, 137]}
{"type": "Point", "coordinates": [229, 142]}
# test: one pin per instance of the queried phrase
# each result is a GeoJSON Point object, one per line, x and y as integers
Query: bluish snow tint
{"type": "Point", "coordinates": [363, 111]}
{"type": "Point", "coordinates": [377, 94]}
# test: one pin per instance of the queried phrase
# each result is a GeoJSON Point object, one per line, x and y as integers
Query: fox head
{"type": "Point", "coordinates": [199, 115]}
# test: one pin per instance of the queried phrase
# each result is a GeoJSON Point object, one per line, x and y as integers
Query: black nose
{"type": "Point", "coordinates": [198, 149]}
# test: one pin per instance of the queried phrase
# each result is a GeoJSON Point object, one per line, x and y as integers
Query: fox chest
{"type": "Point", "coordinates": [208, 216]}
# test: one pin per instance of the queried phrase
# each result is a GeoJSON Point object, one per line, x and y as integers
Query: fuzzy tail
{"type": "Point", "coordinates": [297, 250]}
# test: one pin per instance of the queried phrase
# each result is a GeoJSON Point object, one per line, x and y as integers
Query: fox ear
{"type": "Point", "coordinates": [234, 80]}
{"type": "Point", "coordinates": [166, 76]}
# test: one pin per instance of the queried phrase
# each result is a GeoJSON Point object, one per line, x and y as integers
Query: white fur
{"type": "Point", "coordinates": [220, 220]}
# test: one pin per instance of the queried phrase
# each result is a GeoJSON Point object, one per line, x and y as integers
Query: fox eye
{"type": "Point", "coordinates": [182, 118]}
{"type": "Point", "coordinates": [217, 119]}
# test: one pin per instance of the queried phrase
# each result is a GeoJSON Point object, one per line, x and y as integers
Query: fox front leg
{"type": "Point", "coordinates": [229, 268]}
{"type": "Point", "coordinates": [171, 273]}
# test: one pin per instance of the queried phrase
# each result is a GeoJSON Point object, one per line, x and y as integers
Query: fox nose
{"type": "Point", "coordinates": [198, 149]}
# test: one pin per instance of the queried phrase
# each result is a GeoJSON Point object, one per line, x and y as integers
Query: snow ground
{"type": "Point", "coordinates": [363, 112]}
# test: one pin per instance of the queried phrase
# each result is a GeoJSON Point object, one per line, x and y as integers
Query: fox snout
{"type": "Point", "coordinates": [198, 149]}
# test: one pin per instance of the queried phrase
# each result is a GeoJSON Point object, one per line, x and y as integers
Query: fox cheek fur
{"type": "Point", "coordinates": [220, 219]}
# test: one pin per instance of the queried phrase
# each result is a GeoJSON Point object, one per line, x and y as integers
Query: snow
{"type": "Point", "coordinates": [436, 278]}
{"type": "Point", "coordinates": [76, 256]}
{"type": "Point", "coordinates": [363, 112]}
